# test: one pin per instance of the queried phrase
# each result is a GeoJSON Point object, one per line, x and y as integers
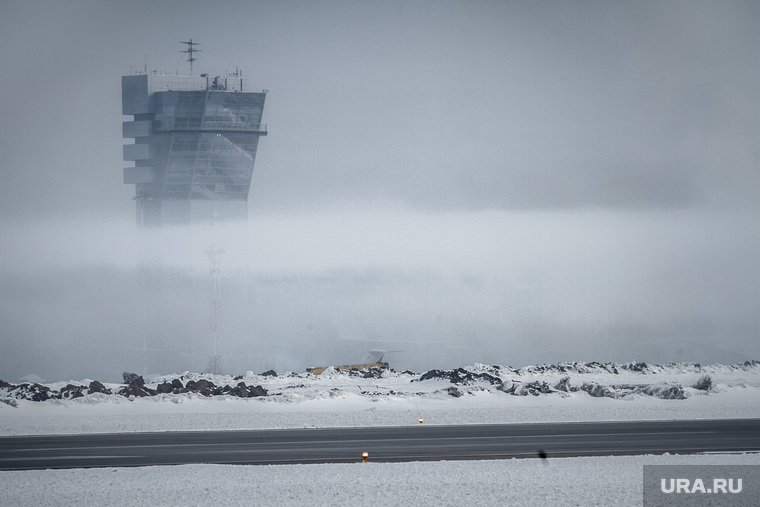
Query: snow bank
{"type": "Point", "coordinates": [471, 395]}
{"type": "Point", "coordinates": [608, 481]}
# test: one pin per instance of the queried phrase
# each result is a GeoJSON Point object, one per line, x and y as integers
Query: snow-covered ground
{"type": "Point", "coordinates": [480, 394]}
{"type": "Point", "coordinates": [601, 481]}
{"type": "Point", "coordinates": [472, 395]}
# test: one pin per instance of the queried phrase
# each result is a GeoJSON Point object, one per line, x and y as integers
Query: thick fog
{"type": "Point", "coordinates": [456, 182]}
{"type": "Point", "coordinates": [442, 289]}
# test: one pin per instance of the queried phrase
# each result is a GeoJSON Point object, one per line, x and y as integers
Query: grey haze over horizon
{"type": "Point", "coordinates": [504, 182]}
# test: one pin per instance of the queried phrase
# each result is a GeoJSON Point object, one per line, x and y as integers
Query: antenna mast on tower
{"type": "Point", "coordinates": [190, 52]}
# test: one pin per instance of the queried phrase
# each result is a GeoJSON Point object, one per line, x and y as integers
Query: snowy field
{"type": "Point", "coordinates": [476, 394]}
{"type": "Point", "coordinates": [601, 481]}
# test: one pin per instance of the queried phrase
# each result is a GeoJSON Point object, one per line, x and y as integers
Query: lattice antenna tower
{"type": "Point", "coordinates": [190, 52]}
{"type": "Point", "coordinates": [215, 308]}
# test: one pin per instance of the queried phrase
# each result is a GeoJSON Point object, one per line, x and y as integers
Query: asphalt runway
{"type": "Point", "coordinates": [383, 444]}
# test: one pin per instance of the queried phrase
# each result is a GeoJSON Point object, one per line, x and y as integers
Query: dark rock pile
{"type": "Point", "coordinates": [534, 388]}
{"type": "Point", "coordinates": [129, 377]}
{"type": "Point", "coordinates": [39, 392]}
{"type": "Point", "coordinates": [639, 367]}
{"type": "Point", "coordinates": [463, 377]}
{"type": "Point", "coordinates": [136, 388]}
{"type": "Point", "coordinates": [373, 372]}
{"type": "Point", "coordinates": [666, 391]}
{"type": "Point", "coordinates": [563, 385]}
{"type": "Point", "coordinates": [599, 390]}
{"type": "Point", "coordinates": [663, 390]}
{"type": "Point", "coordinates": [602, 380]}
{"type": "Point", "coordinates": [704, 383]}
{"type": "Point", "coordinates": [567, 367]}
{"type": "Point", "coordinates": [243, 391]}
{"type": "Point", "coordinates": [460, 376]}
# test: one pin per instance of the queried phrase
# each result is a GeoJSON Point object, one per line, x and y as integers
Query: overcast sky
{"type": "Point", "coordinates": [434, 104]}
{"type": "Point", "coordinates": [605, 154]}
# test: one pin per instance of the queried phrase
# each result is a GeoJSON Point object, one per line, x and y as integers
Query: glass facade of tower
{"type": "Point", "coordinates": [194, 149]}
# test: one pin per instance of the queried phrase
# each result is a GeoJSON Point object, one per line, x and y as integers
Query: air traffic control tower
{"type": "Point", "coordinates": [195, 141]}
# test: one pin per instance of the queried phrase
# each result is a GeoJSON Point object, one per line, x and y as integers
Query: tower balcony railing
{"type": "Point", "coordinates": [194, 126]}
